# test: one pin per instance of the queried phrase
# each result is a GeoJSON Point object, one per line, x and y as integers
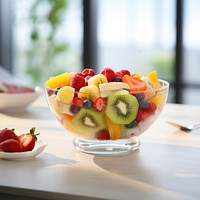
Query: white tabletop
{"type": "Point", "coordinates": [166, 166]}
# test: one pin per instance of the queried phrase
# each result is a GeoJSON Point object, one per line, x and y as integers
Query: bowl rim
{"type": "Point", "coordinates": [165, 85]}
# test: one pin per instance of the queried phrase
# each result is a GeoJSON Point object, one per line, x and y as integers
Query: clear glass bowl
{"type": "Point", "coordinates": [116, 128]}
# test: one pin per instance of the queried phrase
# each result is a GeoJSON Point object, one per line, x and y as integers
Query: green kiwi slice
{"type": "Point", "coordinates": [88, 121]}
{"type": "Point", "coordinates": [122, 108]}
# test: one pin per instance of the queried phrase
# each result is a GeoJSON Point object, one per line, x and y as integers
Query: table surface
{"type": "Point", "coordinates": [166, 166]}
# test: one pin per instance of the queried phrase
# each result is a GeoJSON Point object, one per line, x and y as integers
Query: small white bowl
{"type": "Point", "coordinates": [18, 100]}
{"type": "Point", "coordinates": [39, 148]}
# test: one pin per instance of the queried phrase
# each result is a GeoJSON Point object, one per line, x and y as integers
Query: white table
{"type": "Point", "coordinates": [167, 165]}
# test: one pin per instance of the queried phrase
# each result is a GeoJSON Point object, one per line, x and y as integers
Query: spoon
{"type": "Point", "coordinates": [185, 127]}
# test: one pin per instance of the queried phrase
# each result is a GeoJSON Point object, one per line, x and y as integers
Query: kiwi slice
{"type": "Point", "coordinates": [88, 121]}
{"type": "Point", "coordinates": [122, 108]}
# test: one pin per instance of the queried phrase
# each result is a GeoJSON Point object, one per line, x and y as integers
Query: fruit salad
{"type": "Point", "coordinates": [109, 105]}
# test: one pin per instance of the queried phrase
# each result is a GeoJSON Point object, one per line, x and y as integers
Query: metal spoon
{"type": "Point", "coordinates": [185, 127]}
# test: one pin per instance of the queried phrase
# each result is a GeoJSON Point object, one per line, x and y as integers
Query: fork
{"type": "Point", "coordinates": [185, 127]}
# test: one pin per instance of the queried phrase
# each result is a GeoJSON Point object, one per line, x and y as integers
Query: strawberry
{"type": "Point", "coordinates": [77, 82]}
{"type": "Point", "coordinates": [6, 134]}
{"type": "Point", "coordinates": [99, 104]}
{"type": "Point", "coordinates": [77, 102]}
{"type": "Point", "coordinates": [109, 74]}
{"type": "Point", "coordinates": [27, 141]}
{"type": "Point", "coordinates": [151, 107]}
{"type": "Point", "coordinates": [103, 135]}
{"type": "Point", "coordinates": [142, 114]}
{"type": "Point", "coordinates": [10, 145]}
{"type": "Point", "coordinates": [88, 72]}
{"type": "Point", "coordinates": [135, 83]}
{"type": "Point", "coordinates": [122, 72]}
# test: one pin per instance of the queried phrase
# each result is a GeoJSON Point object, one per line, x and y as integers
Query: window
{"type": "Point", "coordinates": [48, 38]}
{"type": "Point", "coordinates": [138, 35]}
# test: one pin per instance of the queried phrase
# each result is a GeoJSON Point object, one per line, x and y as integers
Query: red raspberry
{"type": "Point", "coordinates": [88, 72]}
{"type": "Point", "coordinates": [109, 74]}
{"type": "Point", "coordinates": [77, 82]}
{"type": "Point", "coordinates": [99, 104]}
{"type": "Point", "coordinates": [103, 135]}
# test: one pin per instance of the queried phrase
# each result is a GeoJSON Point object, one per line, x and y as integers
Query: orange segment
{"type": "Point", "coordinates": [59, 80]}
{"type": "Point", "coordinates": [114, 129]}
{"type": "Point", "coordinates": [154, 79]}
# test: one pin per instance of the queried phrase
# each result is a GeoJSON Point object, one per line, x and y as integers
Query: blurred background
{"type": "Point", "coordinates": [42, 38]}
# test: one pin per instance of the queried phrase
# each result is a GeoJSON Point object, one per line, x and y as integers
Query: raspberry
{"type": "Point", "coordinates": [103, 135]}
{"type": "Point", "coordinates": [109, 74]}
{"type": "Point", "coordinates": [77, 82]}
{"type": "Point", "coordinates": [88, 72]}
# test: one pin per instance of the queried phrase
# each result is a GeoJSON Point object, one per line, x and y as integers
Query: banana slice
{"type": "Point", "coordinates": [97, 79]}
{"type": "Point", "coordinates": [113, 86]}
{"type": "Point", "coordinates": [66, 94]}
{"type": "Point", "coordinates": [107, 89]}
{"type": "Point", "coordinates": [89, 92]}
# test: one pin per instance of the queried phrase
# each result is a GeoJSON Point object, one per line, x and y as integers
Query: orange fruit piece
{"type": "Point", "coordinates": [154, 79]}
{"type": "Point", "coordinates": [114, 129]}
{"type": "Point", "coordinates": [59, 80]}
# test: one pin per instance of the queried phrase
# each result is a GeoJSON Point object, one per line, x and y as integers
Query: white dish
{"type": "Point", "coordinates": [39, 147]}
{"type": "Point", "coordinates": [18, 100]}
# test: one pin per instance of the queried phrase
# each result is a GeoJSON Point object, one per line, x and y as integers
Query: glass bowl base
{"type": "Point", "coordinates": [107, 147]}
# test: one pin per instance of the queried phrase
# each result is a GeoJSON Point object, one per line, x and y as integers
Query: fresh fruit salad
{"type": "Point", "coordinates": [109, 105]}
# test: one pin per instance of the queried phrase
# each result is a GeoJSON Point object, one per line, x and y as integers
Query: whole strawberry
{"type": "Point", "coordinates": [27, 140]}
{"type": "Point", "coordinates": [109, 74]}
{"type": "Point", "coordinates": [6, 134]}
{"type": "Point", "coordinates": [88, 72]}
{"type": "Point", "coordinates": [10, 145]}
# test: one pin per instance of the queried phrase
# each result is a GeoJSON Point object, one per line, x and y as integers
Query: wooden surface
{"type": "Point", "coordinates": [166, 166]}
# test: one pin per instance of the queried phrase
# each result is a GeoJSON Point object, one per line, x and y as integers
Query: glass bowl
{"type": "Point", "coordinates": [114, 127]}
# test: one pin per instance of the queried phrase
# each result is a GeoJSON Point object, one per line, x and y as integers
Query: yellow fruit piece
{"type": "Point", "coordinates": [59, 80]}
{"type": "Point", "coordinates": [159, 99]}
{"type": "Point", "coordinates": [66, 94]}
{"type": "Point", "coordinates": [89, 92]}
{"type": "Point", "coordinates": [114, 129]}
{"type": "Point", "coordinates": [154, 79]}
{"type": "Point", "coordinates": [97, 79]}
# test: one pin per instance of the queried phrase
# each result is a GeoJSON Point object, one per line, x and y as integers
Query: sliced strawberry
{"type": "Point", "coordinates": [103, 135]}
{"type": "Point", "coordinates": [99, 104]}
{"type": "Point", "coordinates": [88, 72]}
{"type": "Point", "coordinates": [142, 115]}
{"type": "Point", "coordinates": [10, 145]}
{"type": "Point", "coordinates": [77, 102]}
{"type": "Point", "coordinates": [151, 107]}
{"type": "Point", "coordinates": [6, 134]}
{"type": "Point", "coordinates": [135, 83]}
{"type": "Point", "coordinates": [109, 74]}
{"type": "Point", "coordinates": [27, 141]}
{"type": "Point", "coordinates": [77, 82]}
